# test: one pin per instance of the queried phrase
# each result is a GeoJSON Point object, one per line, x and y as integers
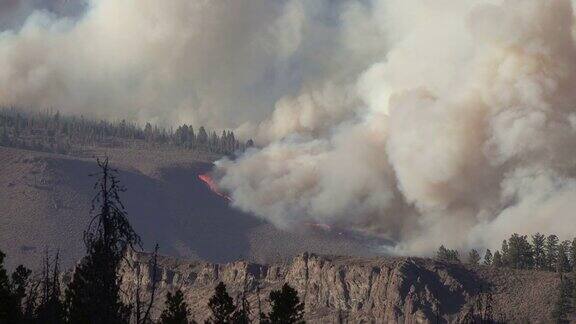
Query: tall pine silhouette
{"type": "Point", "coordinates": [221, 305]}
{"type": "Point", "coordinates": [563, 306]}
{"type": "Point", "coordinates": [50, 309]}
{"type": "Point", "coordinates": [286, 306]}
{"type": "Point", "coordinates": [242, 313]}
{"type": "Point", "coordinates": [12, 293]}
{"type": "Point", "coordinates": [176, 309]}
{"type": "Point", "coordinates": [93, 295]}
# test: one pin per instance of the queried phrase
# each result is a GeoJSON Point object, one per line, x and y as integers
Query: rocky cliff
{"type": "Point", "coordinates": [362, 290]}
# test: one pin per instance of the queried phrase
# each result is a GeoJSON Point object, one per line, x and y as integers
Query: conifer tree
{"type": "Point", "coordinates": [6, 306]}
{"type": "Point", "coordinates": [562, 263]}
{"type": "Point", "coordinates": [563, 306]}
{"type": "Point", "coordinates": [497, 260]}
{"type": "Point", "coordinates": [519, 252]}
{"type": "Point", "coordinates": [50, 309]}
{"type": "Point", "coordinates": [488, 257]}
{"type": "Point", "coordinates": [202, 136]}
{"type": "Point", "coordinates": [12, 293]}
{"type": "Point", "coordinates": [551, 249]}
{"type": "Point", "coordinates": [473, 257]}
{"type": "Point", "coordinates": [505, 254]}
{"type": "Point", "coordinates": [221, 305]}
{"type": "Point", "coordinates": [242, 313]}
{"type": "Point", "coordinates": [573, 254]}
{"type": "Point", "coordinates": [19, 283]}
{"type": "Point", "coordinates": [176, 310]}
{"type": "Point", "coordinates": [286, 307]}
{"type": "Point", "coordinates": [93, 295]}
{"type": "Point", "coordinates": [445, 254]}
{"type": "Point", "coordinates": [538, 242]}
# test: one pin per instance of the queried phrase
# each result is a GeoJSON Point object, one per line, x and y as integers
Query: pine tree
{"type": "Point", "coordinates": [148, 132]}
{"type": "Point", "coordinates": [497, 260]}
{"type": "Point", "coordinates": [242, 313]}
{"type": "Point", "coordinates": [50, 310]}
{"type": "Point", "coordinates": [563, 306]}
{"type": "Point", "coordinates": [214, 141]}
{"type": "Point", "coordinates": [562, 263]}
{"type": "Point", "coordinates": [176, 310]}
{"type": "Point", "coordinates": [192, 137]}
{"type": "Point", "coordinates": [202, 137]}
{"type": "Point", "coordinates": [551, 250]}
{"type": "Point", "coordinates": [4, 137]}
{"type": "Point", "coordinates": [538, 241]}
{"type": "Point", "coordinates": [12, 293]}
{"type": "Point", "coordinates": [488, 257]}
{"type": "Point", "coordinates": [445, 254]}
{"type": "Point", "coordinates": [93, 295]}
{"type": "Point", "coordinates": [286, 306]}
{"type": "Point", "coordinates": [505, 254]}
{"type": "Point", "coordinates": [573, 254]}
{"type": "Point", "coordinates": [519, 252]}
{"type": "Point", "coordinates": [473, 257]}
{"type": "Point", "coordinates": [221, 305]}
{"type": "Point", "coordinates": [6, 306]}
{"type": "Point", "coordinates": [20, 282]}
{"type": "Point", "coordinates": [573, 277]}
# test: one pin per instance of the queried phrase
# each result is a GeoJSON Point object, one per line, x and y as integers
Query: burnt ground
{"type": "Point", "coordinates": [45, 201]}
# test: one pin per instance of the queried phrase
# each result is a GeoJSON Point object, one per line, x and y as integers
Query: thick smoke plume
{"type": "Point", "coordinates": [216, 63]}
{"type": "Point", "coordinates": [465, 133]}
{"type": "Point", "coordinates": [427, 122]}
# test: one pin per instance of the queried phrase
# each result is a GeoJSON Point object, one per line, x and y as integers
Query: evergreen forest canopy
{"type": "Point", "coordinates": [539, 252]}
{"type": "Point", "coordinates": [50, 131]}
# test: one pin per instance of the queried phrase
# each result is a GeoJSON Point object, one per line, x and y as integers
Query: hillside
{"type": "Point", "coordinates": [46, 199]}
{"type": "Point", "coordinates": [367, 290]}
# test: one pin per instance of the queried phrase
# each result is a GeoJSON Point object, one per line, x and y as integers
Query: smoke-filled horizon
{"type": "Point", "coordinates": [427, 122]}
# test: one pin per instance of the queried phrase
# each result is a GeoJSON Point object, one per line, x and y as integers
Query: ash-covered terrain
{"type": "Point", "coordinates": [46, 198]}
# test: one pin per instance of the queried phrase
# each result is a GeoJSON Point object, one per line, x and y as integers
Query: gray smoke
{"type": "Point", "coordinates": [427, 122]}
{"type": "Point", "coordinates": [218, 63]}
{"type": "Point", "coordinates": [465, 133]}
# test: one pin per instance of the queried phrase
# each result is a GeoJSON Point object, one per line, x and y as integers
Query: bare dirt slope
{"type": "Point", "coordinates": [45, 203]}
{"type": "Point", "coordinates": [366, 290]}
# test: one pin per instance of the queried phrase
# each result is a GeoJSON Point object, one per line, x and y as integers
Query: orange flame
{"type": "Point", "coordinates": [211, 184]}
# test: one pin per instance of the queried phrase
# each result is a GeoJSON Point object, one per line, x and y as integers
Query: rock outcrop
{"type": "Point", "coordinates": [361, 290]}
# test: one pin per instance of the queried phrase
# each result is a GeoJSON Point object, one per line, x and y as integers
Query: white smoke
{"type": "Point", "coordinates": [221, 64]}
{"type": "Point", "coordinates": [427, 122]}
{"type": "Point", "coordinates": [465, 133]}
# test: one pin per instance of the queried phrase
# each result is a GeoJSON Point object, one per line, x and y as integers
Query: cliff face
{"type": "Point", "coordinates": [354, 290]}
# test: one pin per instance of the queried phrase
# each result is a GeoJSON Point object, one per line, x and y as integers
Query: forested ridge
{"type": "Point", "coordinates": [51, 131]}
{"type": "Point", "coordinates": [539, 252]}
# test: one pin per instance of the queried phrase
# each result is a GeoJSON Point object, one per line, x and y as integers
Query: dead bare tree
{"type": "Point", "coordinates": [142, 308]}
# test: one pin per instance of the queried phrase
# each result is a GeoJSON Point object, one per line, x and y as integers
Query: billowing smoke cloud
{"type": "Point", "coordinates": [426, 122]}
{"type": "Point", "coordinates": [465, 132]}
{"type": "Point", "coordinates": [219, 63]}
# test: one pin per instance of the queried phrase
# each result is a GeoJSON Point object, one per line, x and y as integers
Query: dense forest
{"type": "Point", "coordinates": [94, 294]}
{"type": "Point", "coordinates": [539, 252]}
{"type": "Point", "coordinates": [50, 131]}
